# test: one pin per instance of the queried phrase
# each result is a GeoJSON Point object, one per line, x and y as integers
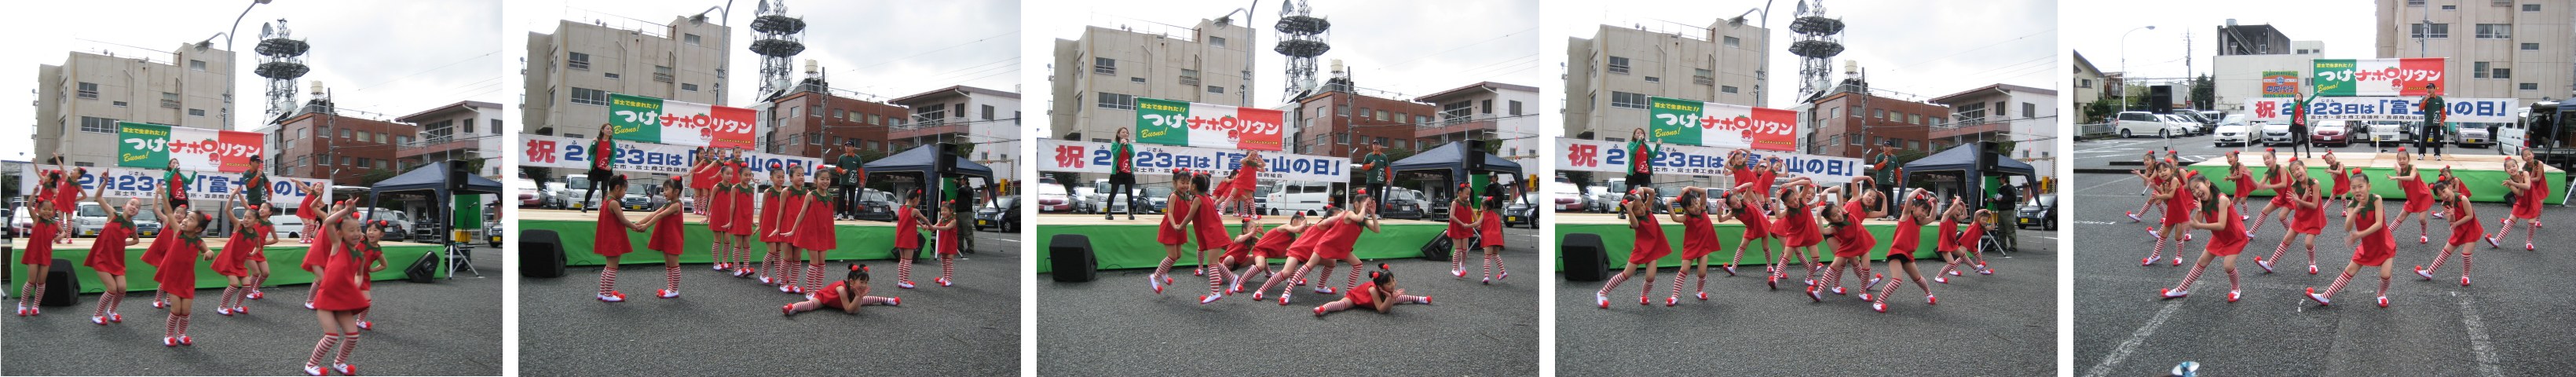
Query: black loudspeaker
{"type": "Point", "coordinates": [1438, 249]}
{"type": "Point", "coordinates": [456, 173]}
{"type": "Point", "coordinates": [1473, 159]}
{"type": "Point", "coordinates": [1069, 255]}
{"type": "Point", "coordinates": [541, 254]}
{"type": "Point", "coordinates": [1584, 257]}
{"type": "Point", "coordinates": [424, 270]}
{"type": "Point", "coordinates": [1986, 154]}
{"type": "Point", "coordinates": [62, 288]}
{"type": "Point", "coordinates": [2160, 99]}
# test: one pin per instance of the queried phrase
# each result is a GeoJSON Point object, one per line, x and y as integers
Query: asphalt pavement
{"type": "Point", "coordinates": [2513, 321]}
{"type": "Point", "coordinates": [1118, 326]}
{"type": "Point", "coordinates": [451, 327]}
{"type": "Point", "coordinates": [721, 325]}
{"type": "Point", "coordinates": [1985, 325]}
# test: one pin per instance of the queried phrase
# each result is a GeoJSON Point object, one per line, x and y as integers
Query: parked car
{"type": "Point", "coordinates": [2231, 134]}
{"type": "Point", "coordinates": [1052, 198]}
{"type": "Point", "coordinates": [287, 227]}
{"type": "Point", "coordinates": [554, 193]}
{"type": "Point", "coordinates": [1086, 199]}
{"type": "Point", "coordinates": [577, 193]}
{"type": "Point", "coordinates": [2190, 127]}
{"type": "Point", "coordinates": [147, 223]}
{"type": "Point", "coordinates": [2471, 135]}
{"type": "Point", "coordinates": [1568, 198]}
{"type": "Point", "coordinates": [2141, 123]}
{"type": "Point", "coordinates": [2275, 133]}
{"type": "Point", "coordinates": [2335, 132]}
{"type": "Point", "coordinates": [1404, 203]}
{"type": "Point", "coordinates": [530, 195]}
{"type": "Point", "coordinates": [1294, 197]}
{"type": "Point", "coordinates": [1154, 199]}
{"type": "Point", "coordinates": [2383, 132]}
{"type": "Point", "coordinates": [1003, 214]}
{"type": "Point", "coordinates": [21, 223]}
{"type": "Point", "coordinates": [402, 224]}
{"type": "Point", "coordinates": [1522, 211]}
{"type": "Point", "coordinates": [875, 205]}
{"type": "Point", "coordinates": [2039, 211]}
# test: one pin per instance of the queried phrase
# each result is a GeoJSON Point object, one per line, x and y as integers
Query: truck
{"type": "Point", "coordinates": [2544, 128]}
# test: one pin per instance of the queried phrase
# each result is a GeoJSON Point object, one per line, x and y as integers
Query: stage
{"type": "Point", "coordinates": [1616, 239]}
{"type": "Point", "coordinates": [2484, 174]}
{"type": "Point", "coordinates": [284, 260]}
{"type": "Point", "coordinates": [858, 239]}
{"type": "Point", "coordinates": [1123, 244]}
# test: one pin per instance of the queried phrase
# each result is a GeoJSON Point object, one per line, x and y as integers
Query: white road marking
{"type": "Point", "coordinates": [2091, 222]}
{"type": "Point", "coordinates": [2130, 346]}
{"type": "Point", "coordinates": [2478, 341]}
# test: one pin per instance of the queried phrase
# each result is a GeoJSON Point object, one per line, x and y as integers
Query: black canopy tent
{"type": "Point", "coordinates": [919, 161]}
{"type": "Point", "coordinates": [1449, 160]}
{"type": "Point", "coordinates": [1962, 161]}
{"type": "Point", "coordinates": [432, 180]}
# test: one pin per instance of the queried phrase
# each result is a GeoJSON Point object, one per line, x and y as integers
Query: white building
{"type": "Point", "coordinates": [987, 118]}
{"type": "Point", "coordinates": [79, 102]}
{"type": "Point", "coordinates": [1609, 77]}
{"type": "Point", "coordinates": [570, 73]}
{"type": "Point", "coordinates": [2237, 78]}
{"type": "Point", "coordinates": [1098, 76]}
{"type": "Point", "coordinates": [2523, 49]}
{"type": "Point", "coordinates": [2004, 112]}
{"type": "Point", "coordinates": [1502, 111]}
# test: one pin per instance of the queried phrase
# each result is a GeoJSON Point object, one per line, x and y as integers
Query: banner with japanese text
{"type": "Point", "coordinates": [2374, 77]}
{"type": "Point", "coordinates": [154, 146]}
{"type": "Point", "coordinates": [1688, 122]}
{"type": "Point", "coordinates": [2280, 84]}
{"type": "Point", "coordinates": [122, 183]}
{"type": "Point", "coordinates": [1177, 123]}
{"type": "Point", "coordinates": [1612, 157]}
{"type": "Point", "coordinates": [570, 153]}
{"type": "Point", "coordinates": [2473, 110]}
{"type": "Point", "coordinates": [655, 120]}
{"type": "Point", "coordinates": [1090, 157]}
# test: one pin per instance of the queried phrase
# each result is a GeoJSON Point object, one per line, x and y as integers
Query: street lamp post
{"type": "Point", "coordinates": [2124, 80]}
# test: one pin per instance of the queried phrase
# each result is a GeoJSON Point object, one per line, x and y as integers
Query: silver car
{"type": "Point", "coordinates": [2471, 135]}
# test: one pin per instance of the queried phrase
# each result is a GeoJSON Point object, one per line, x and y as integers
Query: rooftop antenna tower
{"type": "Point", "coordinates": [281, 60]}
{"type": "Point", "coordinates": [1819, 40]}
{"type": "Point", "coordinates": [1301, 38]}
{"type": "Point", "coordinates": [777, 38]}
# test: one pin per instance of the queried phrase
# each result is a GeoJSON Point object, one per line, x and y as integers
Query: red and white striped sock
{"type": "Point", "coordinates": [2383, 286]}
{"type": "Point", "coordinates": [2312, 254]}
{"type": "Point", "coordinates": [1292, 276]}
{"type": "Point", "coordinates": [27, 291]}
{"type": "Point", "coordinates": [322, 347]}
{"type": "Point", "coordinates": [2465, 256]}
{"type": "Point", "coordinates": [1489, 266]}
{"type": "Point", "coordinates": [1648, 288]}
{"type": "Point", "coordinates": [362, 314]}
{"type": "Point", "coordinates": [2535, 229]}
{"type": "Point", "coordinates": [1322, 277]}
{"type": "Point", "coordinates": [170, 326]}
{"type": "Point", "coordinates": [1499, 265]}
{"type": "Point", "coordinates": [1355, 278]}
{"type": "Point", "coordinates": [348, 343]}
{"type": "Point", "coordinates": [226, 301]}
{"type": "Point", "coordinates": [1883, 292]}
{"type": "Point", "coordinates": [804, 306]}
{"type": "Point", "coordinates": [2437, 260]}
{"type": "Point", "coordinates": [1164, 269]}
{"type": "Point", "coordinates": [1739, 254]}
{"type": "Point", "coordinates": [671, 278]}
{"type": "Point", "coordinates": [607, 279]}
{"type": "Point", "coordinates": [1945, 268]}
{"type": "Point", "coordinates": [814, 276]}
{"type": "Point", "coordinates": [183, 325]}
{"type": "Point", "coordinates": [1456, 251]}
{"type": "Point", "coordinates": [2338, 284]}
{"type": "Point", "coordinates": [1702, 284]}
{"type": "Point", "coordinates": [1678, 273]}
{"type": "Point", "coordinates": [1215, 271]}
{"type": "Point", "coordinates": [2231, 281]}
{"type": "Point", "coordinates": [1614, 284]}
{"type": "Point", "coordinates": [948, 266]}
{"type": "Point", "coordinates": [769, 265]}
{"type": "Point", "coordinates": [2283, 248]}
{"type": "Point", "coordinates": [2158, 251]}
{"type": "Point", "coordinates": [104, 299]}
{"type": "Point", "coordinates": [794, 270]}
{"type": "Point", "coordinates": [2190, 276]}
{"type": "Point", "coordinates": [903, 269]}
{"type": "Point", "coordinates": [1833, 277]}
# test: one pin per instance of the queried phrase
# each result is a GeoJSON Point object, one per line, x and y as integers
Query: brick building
{"type": "Point", "coordinates": [1850, 124]}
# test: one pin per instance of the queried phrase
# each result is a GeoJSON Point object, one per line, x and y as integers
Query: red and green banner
{"type": "Point", "coordinates": [655, 120]}
{"type": "Point", "coordinates": [2280, 84]}
{"type": "Point", "coordinates": [154, 146]}
{"type": "Point", "coordinates": [1681, 121]}
{"type": "Point", "coordinates": [1168, 122]}
{"type": "Point", "coordinates": [2404, 77]}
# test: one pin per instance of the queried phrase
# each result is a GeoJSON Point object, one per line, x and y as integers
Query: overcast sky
{"type": "Point", "coordinates": [1920, 48]}
{"type": "Point", "coordinates": [2346, 29]}
{"type": "Point", "coordinates": [442, 52]}
{"type": "Point", "coordinates": [1404, 48]}
{"type": "Point", "coordinates": [889, 49]}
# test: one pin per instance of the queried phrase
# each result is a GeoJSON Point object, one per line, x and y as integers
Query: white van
{"type": "Point", "coordinates": [1309, 197]}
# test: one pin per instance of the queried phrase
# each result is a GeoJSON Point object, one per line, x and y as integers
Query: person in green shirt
{"type": "Point", "coordinates": [1375, 167]}
{"type": "Point", "coordinates": [2299, 121]}
{"type": "Point", "coordinates": [1122, 176]}
{"type": "Point", "coordinates": [603, 152]}
{"type": "Point", "coordinates": [2430, 136]}
{"type": "Point", "coordinates": [846, 184]}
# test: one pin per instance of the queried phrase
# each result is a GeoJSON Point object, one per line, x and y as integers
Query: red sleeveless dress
{"type": "Point", "coordinates": [667, 236]}
{"type": "Point", "coordinates": [816, 232]}
{"type": "Point", "coordinates": [608, 238]}
{"type": "Point", "coordinates": [339, 287]}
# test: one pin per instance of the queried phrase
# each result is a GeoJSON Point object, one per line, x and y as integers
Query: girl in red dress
{"type": "Point", "coordinates": [2465, 230]}
{"type": "Point", "coordinates": [2275, 178]}
{"type": "Point", "coordinates": [2227, 238]}
{"type": "Point", "coordinates": [1851, 239]}
{"type": "Point", "coordinates": [256, 261]}
{"type": "Point", "coordinates": [770, 224]}
{"type": "Point", "coordinates": [1900, 251]}
{"type": "Point", "coordinates": [1799, 234]}
{"type": "Point", "coordinates": [1379, 294]}
{"type": "Point", "coordinates": [2530, 185]}
{"type": "Point", "coordinates": [1209, 228]}
{"type": "Point", "coordinates": [2178, 205]}
{"type": "Point", "coordinates": [39, 256]}
{"type": "Point", "coordinates": [2240, 178]}
{"type": "Point", "coordinates": [2307, 217]}
{"type": "Point", "coordinates": [1750, 202]}
{"type": "Point", "coordinates": [2150, 179]}
{"type": "Point", "coordinates": [907, 237]}
{"type": "Point", "coordinates": [1648, 246]}
{"type": "Point", "coordinates": [1174, 229]}
{"type": "Point", "coordinates": [107, 259]}
{"type": "Point", "coordinates": [608, 239]}
{"type": "Point", "coordinates": [791, 221]}
{"type": "Point", "coordinates": [341, 294]}
{"type": "Point", "coordinates": [2368, 232]}
{"type": "Point", "coordinates": [1335, 246]}
{"type": "Point", "coordinates": [1490, 232]}
{"type": "Point", "coordinates": [246, 238]}
{"type": "Point", "coordinates": [711, 178]}
{"type": "Point", "coordinates": [1235, 195]}
{"type": "Point", "coordinates": [178, 271]}
{"type": "Point", "coordinates": [1254, 249]}
{"type": "Point", "coordinates": [2419, 196]}
{"type": "Point", "coordinates": [813, 234]}
{"type": "Point", "coordinates": [311, 210]}
{"type": "Point", "coordinates": [1462, 228]}
{"type": "Point", "coordinates": [1298, 251]}
{"type": "Point", "coordinates": [949, 220]}
{"type": "Point", "coordinates": [1961, 245]}
{"type": "Point", "coordinates": [740, 224]}
{"type": "Point", "coordinates": [2342, 184]}
{"type": "Point", "coordinates": [668, 237]}
{"type": "Point", "coordinates": [847, 295]}
{"type": "Point", "coordinates": [318, 247]}
{"type": "Point", "coordinates": [1699, 239]}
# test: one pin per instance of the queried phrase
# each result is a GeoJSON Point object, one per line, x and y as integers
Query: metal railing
{"type": "Point", "coordinates": [2095, 131]}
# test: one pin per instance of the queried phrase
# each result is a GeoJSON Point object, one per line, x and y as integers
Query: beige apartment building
{"type": "Point", "coordinates": [2522, 49]}
{"type": "Point", "coordinates": [571, 72]}
{"type": "Point", "coordinates": [1097, 77]}
{"type": "Point", "coordinates": [1609, 76]}
{"type": "Point", "coordinates": [79, 102]}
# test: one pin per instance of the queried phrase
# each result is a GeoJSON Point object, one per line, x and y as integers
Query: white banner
{"type": "Point", "coordinates": [570, 153]}
{"type": "Point", "coordinates": [2478, 110]}
{"type": "Point", "coordinates": [1612, 157]}
{"type": "Point", "coordinates": [143, 183]}
{"type": "Point", "coordinates": [1090, 157]}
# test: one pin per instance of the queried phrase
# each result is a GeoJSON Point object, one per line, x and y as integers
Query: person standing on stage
{"type": "Point", "coordinates": [853, 175]}
{"type": "Point", "coordinates": [2299, 122]}
{"type": "Point", "coordinates": [2429, 135]}
{"type": "Point", "coordinates": [1641, 165]}
{"type": "Point", "coordinates": [1375, 167]}
{"type": "Point", "coordinates": [1122, 180]}
{"type": "Point", "coordinates": [1884, 170]}
{"type": "Point", "coordinates": [603, 152]}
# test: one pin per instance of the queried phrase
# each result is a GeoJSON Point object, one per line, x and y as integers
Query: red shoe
{"type": "Point", "coordinates": [1878, 306]}
{"type": "Point", "coordinates": [1319, 311]}
{"type": "Point", "coordinates": [169, 342]}
{"type": "Point", "coordinates": [366, 325]}
{"type": "Point", "coordinates": [1672, 300]}
{"type": "Point", "coordinates": [1703, 296]}
{"type": "Point", "coordinates": [184, 340]}
{"type": "Point", "coordinates": [313, 370]}
{"type": "Point", "coordinates": [2464, 281]}
{"type": "Point", "coordinates": [1931, 300]}
{"type": "Point", "coordinates": [241, 310]}
{"type": "Point", "coordinates": [894, 301]}
{"type": "Point", "coordinates": [2383, 301]}
{"type": "Point", "coordinates": [113, 317]}
{"type": "Point", "coordinates": [2233, 295]}
{"type": "Point", "coordinates": [255, 295]}
{"type": "Point", "coordinates": [345, 369]}
{"type": "Point", "coordinates": [1812, 295]}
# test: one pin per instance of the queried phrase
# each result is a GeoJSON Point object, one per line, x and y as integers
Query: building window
{"type": "Point", "coordinates": [344, 133]}
{"type": "Point", "coordinates": [2029, 110]}
{"type": "Point", "coordinates": [2495, 31]}
{"type": "Point", "coordinates": [1701, 76]}
{"type": "Point", "coordinates": [1113, 101]}
{"type": "Point", "coordinates": [2527, 86]}
{"type": "Point", "coordinates": [836, 113]}
{"type": "Point", "coordinates": [2450, 7]}
{"type": "Point", "coordinates": [1105, 66]}
{"type": "Point", "coordinates": [2478, 69]}
{"type": "Point", "coordinates": [1189, 77]}
{"type": "Point", "coordinates": [661, 73]}
{"type": "Point", "coordinates": [1485, 107]}
{"type": "Point", "coordinates": [1216, 41]}
{"type": "Point", "coordinates": [2418, 30]}
{"type": "Point", "coordinates": [2083, 83]}
{"type": "Point", "coordinates": [1139, 80]}
{"type": "Point", "coordinates": [1878, 113]}
{"type": "Point", "coordinates": [88, 90]}
{"type": "Point", "coordinates": [691, 39]}
{"type": "Point", "coordinates": [1734, 42]}
{"type": "Point", "coordinates": [1342, 109]}
{"type": "Point", "coordinates": [2531, 47]}
{"type": "Point", "coordinates": [98, 125]}
{"type": "Point", "coordinates": [1516, 108]}
{"type": "Point", "coordinates": [496, 126]}
{"type": "Point", "coordinates": [961, 111]}
{"type": "Point", "coordinates": [988, 112]}
{"type": "Point", "coordinates": [2503, 73]}
{"type": "Point", "coordinates": [611, 75]}
{"type": "Point", "coordinates": [1618, 65]}
{"type": "Point", "coordinates": [588, 96]}
{"type": "Point", "coordinates": [196, 65]}
{"type": "Point", "coordinates": [578, 61]}
{"type": "Point", "coordinates": [197, 112]}
{"type": "Point", "coordinates": [876, 119]}
{"type": "Point", "coordinates": [2531, 7]}
{"type": "Point", "coordinates": [1216, 89]}
{"type": "Point", "coordinates": [1627, 100]}
{"type": "Point", "coordinates": [1654, 79]}
{"type": "Point", "coordinates": [1381, 115]}
{"type": "Point", "coordinates": [1729, 89]}
{"type": "Point", "coordinates": [1342, 138]}
{"type": "Point", "coordinates": [169, 100]}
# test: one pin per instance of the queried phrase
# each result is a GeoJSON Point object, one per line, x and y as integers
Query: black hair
{"type": "Point", "coordinates": [858, 272]}
{"type": "Point", "coordinates": [1382, 276]}
{"type": "Point", "coordinates": [1493, 195]}
{"type": "Point", "coordinates": [618, 181]}
{"type": "Point", "coordinates": [254, 159]}
{"type": "Point", "coordinates": [1199, 183]}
